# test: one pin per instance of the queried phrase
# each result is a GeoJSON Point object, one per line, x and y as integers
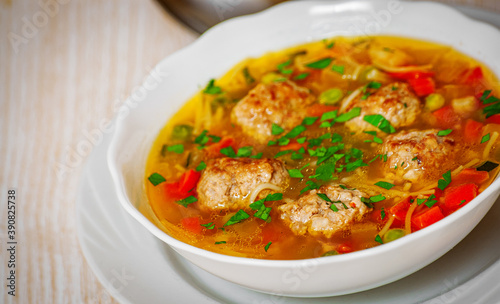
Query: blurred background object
{"type": "Point", "coordinates": [200, 15]}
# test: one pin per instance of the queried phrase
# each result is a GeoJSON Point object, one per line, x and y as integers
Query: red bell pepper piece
{"type": "Point", "coordinates": [422, 86]}
{"type": "Point", "coordinates": [401, 209]}
{"type": "Point", "coordinates": [469, 175]}
{"type": "Point", "coordinates": [494, 119]}
{"type": "Point", "coordinates": [472, 131]}
{"type": "Point", "coordinates": [446, 117]}
{"type": "Point", "coordinates": [411, 75]}
{"type": "Point", "coordinates": [192, 224]}
{"type": "Point", "coordinates": [184, 187]}
{"type": "Point", "coordinates": [271, 233]}
{"type": "Point", "coordinates": [474, 76]}
{"type": "Point", "coordinates": [427, 218]}
{"type": "Point", "coordinates": [458, 196]}
{"type": "Point", "coordinates": [345, 248]}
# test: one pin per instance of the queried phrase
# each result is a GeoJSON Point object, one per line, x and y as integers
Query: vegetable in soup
{"type": "Point", "coordinates": [326, 148]}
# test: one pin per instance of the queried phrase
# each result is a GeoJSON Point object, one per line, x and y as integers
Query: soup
{"type": "Point", "coordinates": [326, 148]}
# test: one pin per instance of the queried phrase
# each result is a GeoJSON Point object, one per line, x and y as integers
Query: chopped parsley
{"type": "Point", "coordinates": [380, 122]}
{"type": "Point", "coordinates": [354, 112]}
{"type": "Point", "coordinates": [281, 67]}
{"type": "Point", "coordinates": [156, 179]}
{"type": "Point", "coordinates": [384, 185]}
{"type": "Point", "coordinates": [276, 129]}
{"type": "Point", "coordinates": [333, 207]}
{"type": "Point", "coordinates": [202, 139]}
{"type": "Point", "coordinates": [338, 68]}
{"type": "Point", "coordinates": [301, 76]}
{"type": "Point", "coordinates": [221, 242]}
{"type": "Point", "coordinates": [257, 156]}
{"type": "Point", "coordinates": [295, 131]}
{"type": "Point", "coordinates": [320, 64]}
{"type": "Point", "coordinates": [378, 239]}
{"type": "Point", "coordinates": [188, 200]}
{"type": "Point", "coordinates": [201, 166]}
{"type": "Point", "coordinates": [210, 225]}
{"type": "Point", "coordinates": [431, 201]}
{"type": "Point", "coordinates": [444, 132]}
{"type": "Point", "coordinates": [324, 197]}
{"type": "Point", "coordinates": [179, 149]}
{"type": "Point", "coordinates": [485, 138]}
{"type": "Point", "coordinates": [211, 88]}
{"type": "Point", "coordinates": [238, 217]}
{"type": "Point", "coordinates": [329, 115]}
{"type": "Point", "coordinates": [461, 202]}
{"type": "Point", "coordinates": [295, 173]}
{"type": "Point", "coordinates": [329, 45]}
{"type": "Point", "coordinates": [309, 121]}
{"type": "Point", "coordinates": [443, 183]}
{"type": "Point", "coordinates": [267, 246]}
{"type": "Point", "coordinates": [377, 198]}
{"type": "Point", "coordinates": [310, 186]}
{"type": "Point", "coordinates": [228, 151]}
{"type": "Point", "coordinates": [244, 151]}
{"type": "Point", "coordinates": [382, 213]}
{"type": "Point", "coordinates": [248, 77]}
{"type": "Point", "coordinates": [492, 109]}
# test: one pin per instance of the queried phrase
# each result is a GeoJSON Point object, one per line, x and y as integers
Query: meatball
{"type": "Point", "coordinates": [395, 101]}
{"type": "Point", "coordinates": [412, 155]}
{"type": "Point", "coordinates": [310, 213]}
{"type": "Point", "coordinates": [226, 182]}
{"type": "Point", "coordinates": [282, 103]}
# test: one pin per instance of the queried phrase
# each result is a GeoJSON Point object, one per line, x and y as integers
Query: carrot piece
{"type": "Point", "coordinates": [400, 209]}
{"type": "Point", "coordinates": [472, 131]}
{"type": "Point", "coordinates": [422, 86]}
{"type": "Point", "coordinates": [458, 196]}
{"type": "Point", "coordinates": [345, 248]}
{"type": "Point", "coordinates": [192, 224]}
{"type": "Point", "coordinates": [469, 175]}
{"type": "Point", "coordinates": [318, 109]}
{"type": "Point", "coordinates": [446, 117]}
{"type": "Point", "coordinates": [474, 76]}
{"type": "Point", "coordinates": [494, 119]}
{"type": "Point", "coordinates": [427, 218]}
{"type": "Point", "coordinates": [293, 146]}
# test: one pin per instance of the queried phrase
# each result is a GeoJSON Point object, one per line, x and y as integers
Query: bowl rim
{"type": "Point", "coordinates": [377, 250]}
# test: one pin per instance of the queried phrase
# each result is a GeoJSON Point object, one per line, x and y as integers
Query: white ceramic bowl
{"type": "Point", "coordinates": [179, 76]}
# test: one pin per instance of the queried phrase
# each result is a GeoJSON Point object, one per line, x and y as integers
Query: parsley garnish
{"type": "Point", "coordinates": [267, 246]}
{"type": "Point", "coordinates": [211, 88]}
{"type": "Point", "coordinates": [295, 173]}
{"type": "Point", "coordinates": [238, 217]}
{"type": "Point", "coordinates": [380, 122]}
{"type": "Point", "coordinates": [201, 166]}
{"type": "Point", "coordinates": [210, 225]}
{"type": "Point", "coordinates": [324, 197]}
{"type": "Point", "coordinates": [338, 68]}
{"type": "Point", "coordinates": [295, 131]}
{"type": "Point", "coordinates": [485, 138]}
{"type": "Point", "coordinates": [156, 179]}
{"type": "Point", "coordinates": [309, 121]}
{"type": "Point", "coordinates": [248, 78]}
{"type": "Point", "coordinates": [257, 156]}
{"type": "Point", "coordinates": [354, 112]}
{"type": "Point", "coordinates": [491, 109]}
{"type": "Point", "coordinates": [444, 132]}
{"type": "Point", "coordinates": [320, 64]}
{"type": "Point", "coordinates": [443, 183]}
{"type": "Point", "coordinates": [228, 151]}
{"type": "Point", "coordinates": [276, 129]}
{"type": "Point", "coordinates": [384, 185]}
{"type": "Point", "coordinates": [221, 242]}
{"type": "Point", "coordinates": [244, 151]}
{"type": "Point", "coordinates": [334, 208]}
{"type": "Point", "coordinates": [179, 149]}
{"type": "Point", "coordinates": [202, 139]}
{"type": "Point", "coordinates": [188, 200]}
{"type": "Point", "coordinates": [431, 201]}
{"type": "Point", "coordinates": [378, 239]}
{"type": "Point", "coordinates": [382, 213]}
{"type": "Point", "coordinates": [281, 67]}
{"type": "Point", "coordinates": [329, 115]}
{"type": "Point", "coordinates": [377, 198]}
{"type": "Point", "coordinates": [327, 44]}
{"type": "Point", "coordinates": [310, 186]}
{"type": "Point", "coordinates": [301, 76]}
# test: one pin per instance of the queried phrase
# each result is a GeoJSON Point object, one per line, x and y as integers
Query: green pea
{"type": "Point", "coordinates": [329, 253]}
{"type": "Point", "coordinates": [330, 97]}
{"type": "Point", "coordinates": [393, 234]}
{"type": "Point", "coordinates": [182, 132]}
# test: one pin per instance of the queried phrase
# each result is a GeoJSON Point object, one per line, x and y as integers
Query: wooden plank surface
{"type": "Point", "coordinates": [65, 66]}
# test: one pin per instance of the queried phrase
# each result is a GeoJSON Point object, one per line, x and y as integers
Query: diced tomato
{"type": "Point", "coordinates": [422, 86]}
{"type": "Point", "coordinates": [317, 110]}
{"type": "Point", "coordinates": [469, 175]}
{"type": "Point", "coordinates": [188, 181]}
{"type": "Point", "coordinates": [376, 216]}
{"type": "Point", "coordinates": [472, 131]}
{"type": "Point", "coordinates": [270, 233]}
{"type": "Point", "coordinates": [400, 209]}
{"type": "Point", "coordinates": [184, 187]}
{"type": "Point", "coordinates": [427, 218]}
{"type": "Point", "coordinates": [192, 224]}
{"type": "Point", "coordinates": [494, 119]}
{"type": "Point", "coordinates": [344, 248]}
{"type": "Point", "coordinates": [446, 117]}
{"type": "Point", "coordinates": [411, 75]}
{"type": "Point", "coordinates": [293, 146]}
{"type": "Point", "coordinates": [474, 76]}
{"type": "Point", "coordinates": [458, 196]}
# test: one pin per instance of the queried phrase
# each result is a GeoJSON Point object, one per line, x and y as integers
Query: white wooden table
{"type": "Point", "coordinates": [65, 67]}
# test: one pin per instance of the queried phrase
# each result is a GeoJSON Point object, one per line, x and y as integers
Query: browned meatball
{"type": "Point", "coordinates": [226, 182]}
{"type": "Point", "coordinates": [282, 103]}
{"type": "Point", "coordinates": [412, 155]}
{"type": "Point", "coordinates": [312, 214]}
{"type": "Point", "coordinates": [395, 101]}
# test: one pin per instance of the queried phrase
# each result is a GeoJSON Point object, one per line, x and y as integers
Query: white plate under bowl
{"type": "Point", "coordinates": [136, 267]}
{"type": "Point", "coordinates": [285, 25]}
